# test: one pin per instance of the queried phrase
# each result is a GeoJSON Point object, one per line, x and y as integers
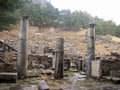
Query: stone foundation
{"type": "Point", "coordinates": [105, 68]}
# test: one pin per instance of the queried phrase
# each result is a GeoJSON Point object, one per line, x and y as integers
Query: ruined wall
{"type": "Point", "coordinates": [38, 60]}
{"type": "Point", "coordinates": [45, 61]}
{"type": "Point", "coordinates": [8, 62]}
{"type": "Point", "coordinates": [107, 66]}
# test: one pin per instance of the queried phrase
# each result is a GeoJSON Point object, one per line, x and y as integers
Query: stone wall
{"type": "Point", "coordinates": [45, 61]}
{"type": "Point", "coordinates": [107, 66]}
{"type": "Point", "coordinates": [38, 60]}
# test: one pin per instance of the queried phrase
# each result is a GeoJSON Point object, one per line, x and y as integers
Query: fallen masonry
{"type": "Point", "coordinates": [107, 65]}
{"type": "Point", "coordinates": [54, 63]}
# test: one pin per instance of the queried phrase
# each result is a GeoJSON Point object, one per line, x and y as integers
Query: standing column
{"type": "Point", "coordinates": [22, 61]}
{"type": "Point", "coordinates": [59, 57]}
{"type": "Point", "coordinates": [90, 48]}
{"type": "Point", "coordinates": [53, 60]}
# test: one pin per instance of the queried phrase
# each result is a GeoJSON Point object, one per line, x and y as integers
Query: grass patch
{"type": "Point", "coordinates": [70, 74]}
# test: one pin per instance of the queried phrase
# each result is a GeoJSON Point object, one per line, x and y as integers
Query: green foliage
{"type": "Point", "coordinates": [40, 16]}
{"type": "Point", "coordinates": [8, 14]}
{"type": "Point", "coordinates": [6, 21]}
{"type": "Point", "coordinates": [73, 21]}
{"type": "Point", "coordinates": [105, 27]}
{"type": "Point", "coordinates": [70, 73]}
{"type": "Point", "coordinates": [8, 5]}
{"type": "Point", "coordinates": [47, 16]}
{"type": "Point", "coordinates": [117, 32]}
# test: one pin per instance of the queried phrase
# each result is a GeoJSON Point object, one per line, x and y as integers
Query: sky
{"type": "Point", "coordinates": [105, 9]}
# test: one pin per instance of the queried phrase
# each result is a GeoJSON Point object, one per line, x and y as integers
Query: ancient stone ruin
{"type": "Point", "coordinates": [14, 64]}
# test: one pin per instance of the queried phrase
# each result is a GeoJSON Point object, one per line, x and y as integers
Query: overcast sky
{"type": "Point", "coordinates": [106, 9]}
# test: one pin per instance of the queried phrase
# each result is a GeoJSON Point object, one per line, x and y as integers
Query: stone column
{"type": "Point", "coordinates": [53, 60]}
{"type": "Point", "coordinates": [59, 57]}
{"type": "Point", "coordinates": [90, 48]}
{"type": "Point", "coordinates": [22, 61]}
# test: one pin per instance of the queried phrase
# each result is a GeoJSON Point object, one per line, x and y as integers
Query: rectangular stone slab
{"type": "Point", "coordinates": [8, 77]}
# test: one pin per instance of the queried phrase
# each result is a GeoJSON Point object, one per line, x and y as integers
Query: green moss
{"type": "Point", "coordinates": [70, 74]}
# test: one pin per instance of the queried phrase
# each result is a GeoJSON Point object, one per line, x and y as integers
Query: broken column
{"type": "Point", "coordinates": [22, 61]}
{"type": "Point", "coordinates": [59, 57]}
{"type": "Point", "coordinates": [90, 48]}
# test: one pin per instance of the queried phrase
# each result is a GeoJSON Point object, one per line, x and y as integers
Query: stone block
{"type": "Point", "coordinates": [115, 73]}
{"type": "Point", "coordinates": [96, 69]}
{"type": "Point", "coordinates": [8, 77]}
{"type": "Point", "coordinates": [43, 85]}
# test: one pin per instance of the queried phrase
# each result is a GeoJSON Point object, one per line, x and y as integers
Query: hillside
{"type": "Point", "coordinates": [75, 42]}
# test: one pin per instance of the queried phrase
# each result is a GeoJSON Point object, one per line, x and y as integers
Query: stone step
{"type": "Point", "coordinates": [73, 70]}
{"type": "Point", "coordinates": [6, 77]}
{"type": "Point", "coordinates": [115, 80]}
{"type": "Point", "coordinates": [1, 50]}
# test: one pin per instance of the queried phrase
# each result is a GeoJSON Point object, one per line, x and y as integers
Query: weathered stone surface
{"type": "Point", "coordinates": [7, 67]}
{"type": "Point", "coordinates": [75, 42]}
{"type": "Point", "coordinates": [59, 58]}
{"type": "Point", "coordinates": [107, 66]}
{"type": "Point", "coordinates": [40, 61]}
{"type": "Point", "coordinates": [73, 67]}
{"type": "Point", "coordinates": [103, 68]}
{"type": "Point", "coordinates": [47, 72]}
{"type": "Point", "coordinates": [96, 68]}
{"type": "Point", "coordinates": [8, 77]}
{"type": "Point", "coordinates": [106, 38]}
{"type": "Point", "coordinates": [115, 73]}
{"type": "Point", "coordinates": [16, 88]}
{"type": "Point", "coordinates": [67, 63]}
{"type": "Point", "coordinates": [43, 85]}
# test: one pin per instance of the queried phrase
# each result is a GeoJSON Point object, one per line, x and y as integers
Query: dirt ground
{"type": "Point", "coordinates": [68, 83]}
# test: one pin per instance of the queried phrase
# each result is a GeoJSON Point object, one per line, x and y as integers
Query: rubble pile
{"type": "Point", "coordinates": [75, 42]}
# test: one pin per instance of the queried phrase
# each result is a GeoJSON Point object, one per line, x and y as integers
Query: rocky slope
{"type": "Point", "coordinates": [75, 42]}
